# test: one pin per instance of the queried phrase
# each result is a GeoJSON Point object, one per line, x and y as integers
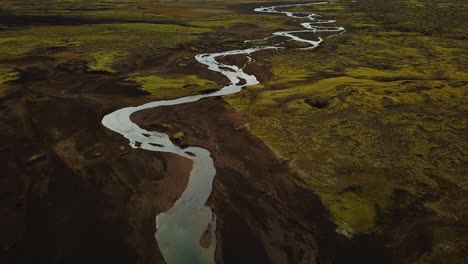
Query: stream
{"type": "Point", "coordinates": [181, 228]}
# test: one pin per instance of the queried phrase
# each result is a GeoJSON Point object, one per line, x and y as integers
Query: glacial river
{"type": "Point", "coordinates": [180, 229]}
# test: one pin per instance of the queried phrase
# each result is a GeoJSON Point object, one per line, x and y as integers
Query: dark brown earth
{"type": "Point", "coordinates": [72, 194]}
{"type": "Point", "coordinates": [263, 215]}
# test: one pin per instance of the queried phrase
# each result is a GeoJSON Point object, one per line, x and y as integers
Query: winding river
{"type": "Point", "coordinates": [181, 229]}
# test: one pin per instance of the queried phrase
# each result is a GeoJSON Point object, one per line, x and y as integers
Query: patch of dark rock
{"type": "Point", "coordinates": [79, 9]}
{"type": "Point", "coordinates": [317, 102]}
{"type": "Point", "coordinates": [73, 66]}
{"type": "Point", "coordinates": [137, 144]}
{"type": "Point", "coordinates": [10, 19]}
{"type": "Point", "coordinates": [242, 82]}
{"type": "Point", "coordinates": [205, 239]}
{"type": "Point", "coordinates": [31, 74]}
{"type": "Point", "coordinates": [9, 94]}
{"type": "Point", "coordinates": [407, 82]}
{"type": "Point", "coordinates": [364, 249]}
{"type": "Point", "coordinates": [191, 86]}
{"type": "Point", "coordinates": [156, 145]}
{"type": "Point", "coordinates": [179, 142]}
{"type": "Point", "coordinates": [159, 127]}
{"type": "Point", "coordinates": [458, 84]}
{"type": "Point", "coordinates": [352, 189]}
{"type": "Point", "coordinates": [56, 49]}
{"type": "Point", "coordinates": [226, 69]}
{"type": "Point", "coordinates": [207, 91]}
{"type": "Point", "coordinates": [388, 92]}
{"type": "Point", "coordinates": [122, 87]}
{"type": "Point", "coordinates": [389, 102]}
{"type": "Point", "coordinates": [146, 134]}
{"type": "Point", "coordinates": [382, 67]}
{"type": "Point", "coordinates": [417, 88]}
{"type": "Point", "coordinates": [400, 196]}
{"type": "Point", "coordinates": [190, 153]}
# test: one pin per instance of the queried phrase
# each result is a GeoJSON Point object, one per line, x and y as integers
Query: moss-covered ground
{"type": "Point", "coordinates": [126, 39]}
{"type": "Point", "coordinates": [170, 88]}
{"type": "Point", "coordinates": [375, 119]}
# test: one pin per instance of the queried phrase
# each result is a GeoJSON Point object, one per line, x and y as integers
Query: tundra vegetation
{"type": "Point", "coordinates": [373, 121]}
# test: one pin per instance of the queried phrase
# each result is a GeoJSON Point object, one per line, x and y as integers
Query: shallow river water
{"type": "Point", "coordinates": [180, 229]}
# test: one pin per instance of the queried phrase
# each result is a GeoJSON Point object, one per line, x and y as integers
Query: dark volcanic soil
{"type": "Point", "coordinates": [264, 216]}
{"type": "Point", "coordinates": [70, 194]}
{"type": "Point", "coordinates": [74, 192]}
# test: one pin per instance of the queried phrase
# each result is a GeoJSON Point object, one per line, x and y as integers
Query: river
{"type": "Point", "coordinates": [181, 228]}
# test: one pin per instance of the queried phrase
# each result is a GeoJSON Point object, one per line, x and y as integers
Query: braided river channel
{"type": "Point", "coordinates": [181, 228]}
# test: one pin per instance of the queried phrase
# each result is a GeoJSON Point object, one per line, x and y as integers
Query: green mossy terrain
{"type": "Point", "coordinates": [223, 21]}
{"type": "Point", "coordinates": [170, 88]}
{"type": "Point", "coordinates": [101, 30]}
{"type": "Point", "coordinates": [115, 37]}
{"type": "Point", "coordinates": [7, 75]}
{"type": "Point", "coordinates": [104, 43]}
{"type": "Point", "coordinates": [103, 61]}
{"type": "Point", "coordinates": [375, 119]}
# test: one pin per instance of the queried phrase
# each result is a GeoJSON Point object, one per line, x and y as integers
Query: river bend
{"type": "Point", "coordinates": [179, 230]}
